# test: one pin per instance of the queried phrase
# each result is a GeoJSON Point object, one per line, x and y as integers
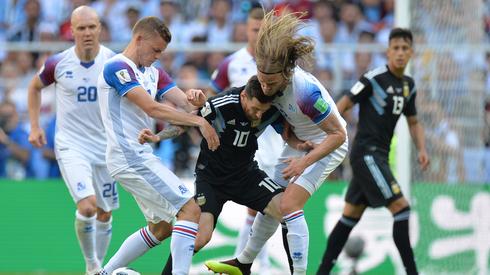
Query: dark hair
{"type": "Point", "coordinates": [254, 89]}
{"type": "Point", "coordinates": [152, 25]}
{"type": "Point", "coordinates": [406, 34]}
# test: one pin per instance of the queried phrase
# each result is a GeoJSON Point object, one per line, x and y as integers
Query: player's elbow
{"type": "Point", "coordinates": [340, 136]}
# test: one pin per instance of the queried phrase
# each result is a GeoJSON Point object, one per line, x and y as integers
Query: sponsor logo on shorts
{"type": "Point", "coordinates": [201, 199]}
{"type": "Point", "coordinates": [183, 189]}
{"type": "Point", "coordinates": [395, 187]}
{"type": "Point", "coordinates": [81, 186]}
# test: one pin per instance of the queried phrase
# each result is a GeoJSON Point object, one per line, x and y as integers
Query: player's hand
{"type": "Point", "coordinates": [423, 159]}
{"type": "Point", "coordinates": [37, 137]}
{"type": "Point", "coordinates": [146, 135]}
{"type": "Point", "coordinates": [196, 97]}
{"type": "Point", "coordinates": [294, 169]}
{"type": "Point", "coordinates": [306, 146]}
{"type": "Point", "coordinates": [209, 135]}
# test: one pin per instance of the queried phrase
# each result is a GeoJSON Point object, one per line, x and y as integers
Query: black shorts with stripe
{"type": "Point", "coordinates": [253, 189]}
{"type": "Point", "coordinates": [373, 183]}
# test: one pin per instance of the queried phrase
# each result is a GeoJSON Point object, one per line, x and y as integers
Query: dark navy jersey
{"type": "Point", "coordinates": [238, 136]}
{"type": "Point", "coordinates": [382, 98]}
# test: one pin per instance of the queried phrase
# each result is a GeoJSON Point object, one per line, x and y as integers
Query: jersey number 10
{"type": "Point", "coordinates": [241, 138]}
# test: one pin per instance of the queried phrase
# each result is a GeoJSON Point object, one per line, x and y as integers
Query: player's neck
{"type": "Point", "coordinates": [87, 55]}
{"type": "Point", "coordinates": [250, 50]}
{"type": "Point", "coordinates": [130, 53]}
{"type": "Point", "coordinates": [397, 72]}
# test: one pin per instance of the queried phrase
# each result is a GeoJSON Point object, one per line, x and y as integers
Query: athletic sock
{"type": "Point", "coordinates": [263, 228]}
{"type": "Point", "coordinates": [133, 247]}
{"type": "Point", "coordinates": [402, 240]}
{"type": "Point", "coordinates": [85, 230]}
{"type": "Point", "coordinates": [244, 234]}
{"type": "Point", "coordinates": [336, 241]}
{"type": "Point", "coordinates": [182, 246]}
{"type": "Point", "coordinates": [103, 234]}
{"type": "Point", "coordinates": [298, 239]}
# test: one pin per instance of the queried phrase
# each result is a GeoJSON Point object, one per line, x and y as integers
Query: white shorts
{"type": "Point", "coordinates": [314, 175]}
{"type": "Point", "coordinates": [160, 194]}
{"type": "Point", "coordinates": [84, 179]}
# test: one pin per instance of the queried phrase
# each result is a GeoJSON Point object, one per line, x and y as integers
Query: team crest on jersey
{"type": "Point", "coordinates": [81, 186]}
{"type": "Point", "coordinates": [206, 110]}
{"type": "Point", "coordinates": [406, 90]}
{"type": "Point", "coordinates": [123, 76]}
{"type": "Point", "coordinates": [321, 105]}
{"type": "Point", "coordinates": [255, 123]}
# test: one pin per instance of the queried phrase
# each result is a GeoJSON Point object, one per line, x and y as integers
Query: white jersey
{"type": "Point", "coordinates": [234, 71]}
{"type": "Point", "coordinates": [79, 127]}
{"type": "Point", "coordinates": [123, 120]}
{"type": "Point", "coordinates": [304, 104]}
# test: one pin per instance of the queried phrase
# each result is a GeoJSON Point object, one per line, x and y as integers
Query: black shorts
{"type": "Point", "coordinates": [253, 189]}
{"type": "Point", "coordinates": [373, 183]}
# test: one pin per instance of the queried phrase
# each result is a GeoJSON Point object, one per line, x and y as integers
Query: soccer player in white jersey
{"type": "Point", "coordinates": [129, 88]}
{"type": "Point", "coordinates": [235, 71]}
{"type": "Point", "coordinates": [313, 116]}
{"type": "Point", "coordinates": [80, 140]}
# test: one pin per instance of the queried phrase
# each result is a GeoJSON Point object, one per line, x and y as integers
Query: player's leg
{"type": "Point", "coordinates": [77, 174]}
{"type": "Point", "coordinates": [160, 195]}
{"type": "Point", "coordinates": [107, 201]}
{"type": "Point", "coordinates": [296, 196]}
{"type": "Point", "coordinates": [401, 213]}
{"type": "Point", "coordinates": [339, 235]}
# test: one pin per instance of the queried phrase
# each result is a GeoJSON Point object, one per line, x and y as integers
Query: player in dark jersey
{"type": "Point", "coordinates": [383, 95]}
{"type": "Point", "coordinates": [231, 173]}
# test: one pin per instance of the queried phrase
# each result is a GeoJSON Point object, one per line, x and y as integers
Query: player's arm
{"type": "Point", "coordinates": [188, 101]}
{"type": "Point", "coordinates": [292, 140]}
{"type": "Point", "coordinates": [418, 137]}
{"type": "Point", "coordinates": [37, 136]}
{"type": "Point", "coordinates": [344, 104]}
{"type": "Point", "coordinates": [360, 90]}
{"type": "Point", "coordinates": [156, 110]}
{"type": "Point", "coordinates": [171, 131]}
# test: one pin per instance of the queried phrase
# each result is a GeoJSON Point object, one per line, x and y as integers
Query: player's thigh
{"type": "Point", "coordinates": [314, 175]}
{"type": "Point", "coordinates": [105, 188]}
{"type": "Point", "coordinates": [77, 175]}
{"type": "Point", "coordinates": [209, 198]}
{"type": "Point", "coordinates": [372, 173]}
{"type": "Point", "coordinates": [158, 192]}
{"type": "Point", "coordinates": [254, 190]}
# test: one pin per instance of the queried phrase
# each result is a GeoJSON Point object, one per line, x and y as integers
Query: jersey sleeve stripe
{"type": "Point", "coordinates": [165, 89]}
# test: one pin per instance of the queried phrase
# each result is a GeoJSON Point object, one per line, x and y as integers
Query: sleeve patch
{"type": "Point", "coordinates": [206, 110]}
{"type": "Point", "coordinates": [357, 88]}
{"type": "Point", "coordinates": [321, 105]}
{"type": "Point", "coordinates": [123, 76]}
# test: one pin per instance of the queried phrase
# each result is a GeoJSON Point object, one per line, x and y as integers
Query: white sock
{"type": "Point", "coordinates": [85, 229]}
{"type": "Point", "coordinates": [182, 246]}
{"type": "Point", "coordinates": [133, 247]}
{"type": "Point", "coordinates": [263, 228]}
{"type": "Point", "coordinates": [298, 238]}
{"type": "Point", "coordinates": [103, 234]}
{"type": "Point", "coordinates": [244, 234]}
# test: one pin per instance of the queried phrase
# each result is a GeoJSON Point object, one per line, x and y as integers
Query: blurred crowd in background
{"type": "Point", "coordinates": [215, 22]}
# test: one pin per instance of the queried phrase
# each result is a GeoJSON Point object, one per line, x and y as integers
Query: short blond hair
{"type": "Point", "coordinates": [152, 25]}
{"type": "Point", "coordinates": [279, 47]}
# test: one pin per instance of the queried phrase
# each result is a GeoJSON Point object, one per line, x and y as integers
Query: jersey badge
{"type": "Point", "coordinates": [81, 186]}
{"type": "Point", "coordinates": [255, 123]}
{"type": "Point", "coordinates": [395, 187]}
{"type": "Point", "coordinates": [357, 88]}
{"type": "Point", "coordinates": [206, 110]}
{"type": "Point", "coordinates": [231, 122]}
{"type": "Point", "coordinates": [123, 76]}
{"type": "Point", "coordinates": [406, 90]}
{"type": "Point", "coordinates": [321, 105]}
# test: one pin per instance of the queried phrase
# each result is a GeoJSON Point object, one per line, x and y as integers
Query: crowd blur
{"type": "Point", "coordinates": [328, 22]}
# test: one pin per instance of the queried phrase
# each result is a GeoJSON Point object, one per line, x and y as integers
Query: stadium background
{"type": "Point", "coordinates": [450, 221]}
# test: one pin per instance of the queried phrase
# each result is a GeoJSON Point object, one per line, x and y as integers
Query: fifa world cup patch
{"type": "Point", "coordinates": [123, 76]}
{"type": "Point", "coordinates": [206, 110]}
{"type": "Point", "coordinates": [321, 105]}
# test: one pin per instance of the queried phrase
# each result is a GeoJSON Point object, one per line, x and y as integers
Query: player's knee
{"type": "Point", "coordinates": [103, 216]}
{"type": "Point", "coordinates": [286, 207]}
{"type": "Point", "coordinates": [87, 207]}
{"type": "Point", "coordinates": [398, 205]}
{"type": "Point", "coordinates": [190, 212]}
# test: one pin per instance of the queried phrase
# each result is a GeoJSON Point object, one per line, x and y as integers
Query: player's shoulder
{"type": "Point", "coordinates": [305, 82]}
{"type": "Point", "coordinates": [228, 99]}
{"type": "Point", "coordinates": [376, 72]}
{"type": "Point", "coordinates": [106, 52]}
{"type": "Point", "coordinates": [409, 79]}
